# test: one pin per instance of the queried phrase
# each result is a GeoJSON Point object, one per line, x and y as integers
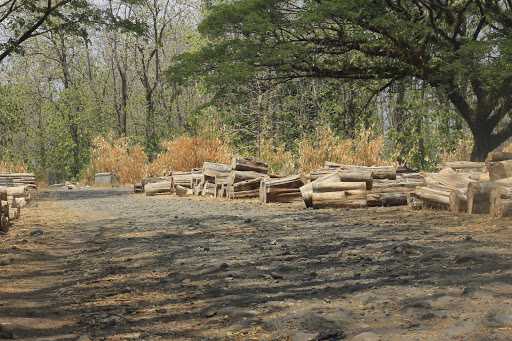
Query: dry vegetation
{"type": "Point", "coordinates": [365, 149]}
{"type": "Point", "coordinates": [185, 153]}
{"type": "Point", "coordinates": [11, 167]}
{"type": "Point", "coordinates": [116, 155]}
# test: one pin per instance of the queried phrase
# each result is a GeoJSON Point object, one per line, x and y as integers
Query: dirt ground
{"type": "Point", "coordinates": [111, 265]}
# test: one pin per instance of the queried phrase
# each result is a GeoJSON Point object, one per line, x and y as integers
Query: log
{"type": "Point", "coordinates": [466, 166]}
{"type": "Point", "coordinates": [458, 201]}
{"type": "Point", "coordinates": [181, 191]}
{"type": "Point", "coordinates": [500, 156]}
{"type": "Point", "coordinates": [285, 189]}
{"type": "Point", "coordinates": [357, 176]}
{"type": "Point", "coordinates": [378, 172]}
{"type": "Point", "coordinates": [245, 194]}
{"type": "Point", "coordinates": [247, 185]}
{"type": "Point", "coordinates": [307, 190]}
{"type": "Point", "coordinates": [163, 187]}
{"type": "Point", "coordinates": [479, 197]}
{"type": "Point", "coordinates": [500, 198]}
{"type": "Point", "coordinates": [500, 170]}
{"type": "Point", "coordinates": [239, 176]}
{"type": "Point", "coordinates": [138, 187]}
{"type": "Point", "coordinates": [328, 186]}
{"type": "Point", "coordinates": [436, 196]}
{"type": "Point", "coordinates": [344, 199]}
{"type": "Point", "coordinates": [212, 169]}
{"type": "Point", "coordinates": [386, 199]}
{"type": "Point", "coordinates": [249, 164]}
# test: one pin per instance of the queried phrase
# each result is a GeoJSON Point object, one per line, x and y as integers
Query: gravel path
{"type": "Point", "coordinates": [111, 265]}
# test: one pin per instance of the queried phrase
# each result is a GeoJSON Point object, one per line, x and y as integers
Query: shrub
{"type": "Point", "coordinates": [11, 167]}
{"type": "Point", "coordinates": [117, 156]}
{"type": "Point", "coordinates": [365, 149]}
{"type": "Point", "coordinates": [185, 153]}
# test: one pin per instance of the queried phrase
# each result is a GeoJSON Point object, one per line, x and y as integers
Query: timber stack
{"type": "Point", "coordinates": [245, 178]}
{"type": "Point", "coordinates": [18, 179]}
{"type": "Point", "coordinates": [12, 199]}
{"type": "Point", "coordinates": [352, 186]}
{"type": "Point", "coordinates": [280, 189]}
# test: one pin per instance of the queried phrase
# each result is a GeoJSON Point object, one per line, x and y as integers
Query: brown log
{"type": "Point", "coordinates": [500, 170]}
{"type": "Point", "coordinates": [245, 194]}
{"type": "Point", "coordinates": [500, 156]}
{"type": "Point", "coordinates": [499, 198]}
{"type": "Point", "coordinates": [386, 199]}
{"type": "Point", "coordinates": [247, 185]}
{"type": "Point", "coordinates": [458, 201]}
{"type": "Point", "coordinates": [162, 187]}
{"type": "Point", "coordinates": [249, 164]}
{"type": "Point", "coordinates": [239, 176]}
{"type": "Point", "coordinates": [328, 186]}
{"type": "Point", "coordinates": [479, 197]}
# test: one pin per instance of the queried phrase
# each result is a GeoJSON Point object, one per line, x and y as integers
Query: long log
{"type": "Point", "coordinates": [322, 187]}
{"type": "Point", "coordinates": [500, 156]}
{"type": "Point", "coordinates": [349, 199]}
{"type": "Point", "coordinates": [247, 185]}
{"type": "Point", "coordinates": [386, 199]}
{"type": "Point", "coordinates": [433, 195]}
{"type": "Point", "coordinates": [212, 169]}
{"type": "Point", "coordinates": [466, 166]}
{"type": "Point", "coordinates": [163, 187]}
{"type": "Point", "coordinates": [239, 176]}
{"type": "Point", "coordinates": [249, 164]}
{"type": "Point", "coordinates": [500, 199]}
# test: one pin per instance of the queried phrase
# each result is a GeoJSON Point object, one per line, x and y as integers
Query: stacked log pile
{"type": "Point", "coordinates": [12, 200]}
{"type": "Point", "coordinates": [352, 186]}
{"type": "Point", "coordinates": [285, 189]}
{"type": "Point", "coordinates": [447, 189]}
{"type": "Point", "coordinates": [214, 179]}
{"type": "Point", "coordinates": [18, 179]}
{"type": "Point", "coordinates": [245, 178]}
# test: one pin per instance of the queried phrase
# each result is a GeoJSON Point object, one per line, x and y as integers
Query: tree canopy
{"type": "Point", "coordinates": [461, 48]}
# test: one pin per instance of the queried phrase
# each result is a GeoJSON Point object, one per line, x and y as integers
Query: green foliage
{"type": "Point", "coordinates": [460, 48]}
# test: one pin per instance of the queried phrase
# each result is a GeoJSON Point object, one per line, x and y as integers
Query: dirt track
{"type": "Point", "coordinates": [111, 265]}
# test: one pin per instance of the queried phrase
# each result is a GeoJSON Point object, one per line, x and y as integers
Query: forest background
{"type": "Point", "coordinates": [139, 87]}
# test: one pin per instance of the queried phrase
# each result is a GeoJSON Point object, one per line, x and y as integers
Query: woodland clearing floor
{"type": "Point", "coordinates": [111, 265]}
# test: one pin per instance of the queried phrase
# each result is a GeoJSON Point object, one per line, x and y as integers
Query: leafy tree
{"type": "Point", "coordinates": [460, 48]}
{"type": "Point", "coordinates": [21, 20]}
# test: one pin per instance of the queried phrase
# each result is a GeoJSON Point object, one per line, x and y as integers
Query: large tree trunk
{"type": "Point", "coordinates": [483, 144]}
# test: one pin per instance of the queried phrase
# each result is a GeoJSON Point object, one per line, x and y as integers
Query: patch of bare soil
{"type": "Point", "coordinates": [110, 265]}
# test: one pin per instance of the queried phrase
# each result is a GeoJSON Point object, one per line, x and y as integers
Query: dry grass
{"type": "Point", "coordinates": [460, 152]}
{"type": "Point", "coordinates": [280, 160]}
{"type": "Point", "coordinates": [11, 167]}
{"type": "Point", "coordinates": [117, 156]}
{"type": "Point", "coordinates": [185, 153]}
{"type": "Point", "coordinates": [366, 150]}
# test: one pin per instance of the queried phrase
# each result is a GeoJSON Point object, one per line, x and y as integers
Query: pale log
{"type": "Point", "coordinates": [162, 187]}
